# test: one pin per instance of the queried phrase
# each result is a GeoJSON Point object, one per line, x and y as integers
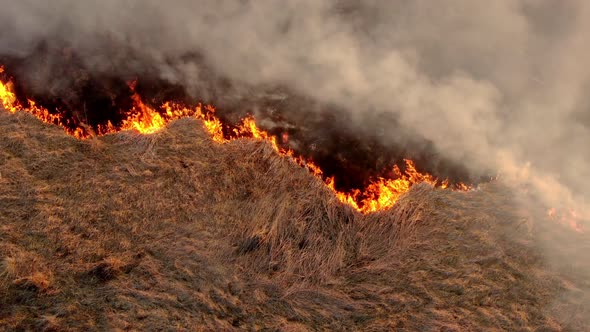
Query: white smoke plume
{"type": "Point", "coordinates": [497, 86]}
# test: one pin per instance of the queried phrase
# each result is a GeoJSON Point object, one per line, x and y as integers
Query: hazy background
{"type": "Point", "coordinates": [497, 86]}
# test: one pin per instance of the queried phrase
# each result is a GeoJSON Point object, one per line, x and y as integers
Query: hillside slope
{"type": "Point", "coordinates": [173, 231]}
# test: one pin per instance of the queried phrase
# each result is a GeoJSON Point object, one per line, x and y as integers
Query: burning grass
{"type": "Point", "coordinates": [379, 194]}
{"type": "Point", "coordinates": [174, 230]}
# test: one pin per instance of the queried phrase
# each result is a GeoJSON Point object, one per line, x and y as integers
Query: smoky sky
{"type": "Point", "coordinates": [495, 86]}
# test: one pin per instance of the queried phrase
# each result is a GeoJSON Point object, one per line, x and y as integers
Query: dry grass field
{"type": "Point", "coordinates": [175, 232]}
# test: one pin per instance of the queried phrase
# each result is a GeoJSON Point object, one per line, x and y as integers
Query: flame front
{"type": "Point", "coordinates": [568, 217]}
{"type": "Point", "coordinates": [144, 119]}
{"type": "Point", "coordinates": [7, 96]}
{"type": "Point", "coordinates": [380, 194]}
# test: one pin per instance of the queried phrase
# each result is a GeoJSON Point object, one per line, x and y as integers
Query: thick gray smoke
{"type": "Point", "coordinates": [497, 86]}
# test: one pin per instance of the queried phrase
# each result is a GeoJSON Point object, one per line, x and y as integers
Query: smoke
{"type": "Point", "coordinates": [496, 87]}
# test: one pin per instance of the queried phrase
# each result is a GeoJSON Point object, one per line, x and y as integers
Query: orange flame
{"type": "Point", "coordinates": [379, 195]}
{"type": "Point", "coordinates": [384, 193]}
{"type": "Point", "coordinates": [569, 218]}
{"type": "Point", "coordinates": [7, 96]}
{"type": "Point", "coordinates": [144, 119]}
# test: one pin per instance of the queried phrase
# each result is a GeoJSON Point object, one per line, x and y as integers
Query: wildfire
{"type": "Point", "coordinates": [145, 119]}
{"type": "Point", "coordinates": [8, 97]}
{"type": "Point", "coordinates": [380, 194]}
{"type": "Point", "coordinates": [385, 192]}
{"type": "Point", "coordinates": [569, 218]}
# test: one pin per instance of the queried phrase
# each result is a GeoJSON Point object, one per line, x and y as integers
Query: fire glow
{"type": "Point", "coordinates": [569, 218]}
{"type": "Point", "coordinates": [380, 194]}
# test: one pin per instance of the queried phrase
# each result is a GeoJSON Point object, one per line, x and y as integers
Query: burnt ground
{"type": "Point", "coordinates": [175, 232]}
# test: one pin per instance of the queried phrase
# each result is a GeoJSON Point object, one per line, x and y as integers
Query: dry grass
{"type": "Point", "coordinates": [175, 232]}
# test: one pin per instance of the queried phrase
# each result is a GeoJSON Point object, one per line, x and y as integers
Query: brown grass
{"type": "Point", "coordinates": [175, 232]}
